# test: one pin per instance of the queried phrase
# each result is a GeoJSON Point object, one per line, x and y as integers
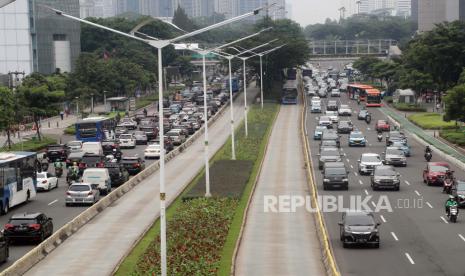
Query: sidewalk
{"type": "Point", "coordinates": [427, 136]}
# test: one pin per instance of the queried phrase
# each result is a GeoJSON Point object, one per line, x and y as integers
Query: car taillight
{"type": "Point", "coordinates": [44, 181]}
{"type": "Point", "coordinates": [9, 226]}
{"type": "Point", "coordinates": [136, 165]}
{"type": "Point", "coordinates": [100, 165]}
{"type": "Point", "coordinates": [34, 226]}
{"type": "Point", "coordinates": [90, 193]}
{"type": "Point", "coordinates": [82, 165]}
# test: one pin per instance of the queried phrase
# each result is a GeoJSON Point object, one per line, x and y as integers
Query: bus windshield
{"type": "Point", "coordinates": [373, 98]}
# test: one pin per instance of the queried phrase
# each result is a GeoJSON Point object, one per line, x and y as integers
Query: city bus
{"type": "Point", "coordinates": [290, 92]}
{"type": "Point", "coordinates": [93, 129]}
{"type": "Point", "coordinates": [18, 178]}
{"type": "Point", "coordinates": [373, 98]}
{"type": "Point", "coordinates": [358, 91]}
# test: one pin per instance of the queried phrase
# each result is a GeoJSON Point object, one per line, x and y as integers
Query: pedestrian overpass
{"type": "Point", "coordinates": [327, 49]}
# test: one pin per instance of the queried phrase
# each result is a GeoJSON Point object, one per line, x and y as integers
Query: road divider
{"type": "Point", "coordinates": [39, 252]}
{"type": "Point", "coordinates": [394, 236]}
{"type": "Point", "coordinates": [462, 237]}
{"type": "Point", "coordinates": [329, 260]}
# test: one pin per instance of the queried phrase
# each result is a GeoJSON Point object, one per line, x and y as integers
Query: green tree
{"type": "Point", "coordinates": [455, 102]}
{"type": "Point", "coordinates": [416, 80]}
{"type": "Point", "coordinates": [7, 111]}
{"type": "Point", "coordinates": [181, 20]}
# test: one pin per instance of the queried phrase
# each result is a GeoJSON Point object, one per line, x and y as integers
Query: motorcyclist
{"type": "Point", "coordinates": [428, 149]}
{"type": "Point", "coordinates": [58, 164]}
{"type": "Point", "coordinates": [380, 135]}
{"type": "Point", "coordinates": [450, 202]}
{"type": "Point", "coordinates": [74, 170]}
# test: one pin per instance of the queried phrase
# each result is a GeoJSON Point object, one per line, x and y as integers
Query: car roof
{"type": "Point", "coordinates": [25, 216]}
{"type": "Point", "coordinates": [384, 167]}
{"type": "Point", "coordinates": [356, 132]}
{"type": "Point", "coordinates": [335, 165]}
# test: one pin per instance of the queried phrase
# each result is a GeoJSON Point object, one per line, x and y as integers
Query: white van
{"type": "Point", "coordinates": [92, 147]}
{"type": "Point", "coordinates": [99, 176]}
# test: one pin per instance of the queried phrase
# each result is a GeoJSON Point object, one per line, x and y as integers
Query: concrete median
{"type": "Point", "coordinates": [38, 253]}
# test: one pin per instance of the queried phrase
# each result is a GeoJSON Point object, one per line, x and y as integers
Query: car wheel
{"type": "Point", "coordinates": [67, 204]}
{"type": "Point", "coordinates": [6, 208]}
{"type": "Point", "coordinates": [325, 187]}
{"type": "Point", "coordinates": [56, 185]}
{"type": "Point", "coordinates": [374, 187]}
{"type": "Point", "coordinates": [397, 188]}
{"type": "Point", "coordinates": [428, 182]}
{"type": "Point", "coordinates": [42, 237]}
{"type": "Point", "coordinates": [376, 245]}
{"type": "Point", "coordinates": [344, 244]}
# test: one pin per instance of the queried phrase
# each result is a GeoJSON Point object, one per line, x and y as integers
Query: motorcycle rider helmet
{"type": "Point", "coordinates": [74, 164]}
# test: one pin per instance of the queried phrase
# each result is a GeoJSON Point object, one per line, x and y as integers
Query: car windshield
{"type": "Point", "coordinates": [344, 107]}
{"type": "Point", "coordinates": [54, 147]}
{"type": "Point", "coordinates": [438, 169]}
{"type": "Point", "coordinates": [130, 161]}
{"type": "Point", "coordinates": [385, 172]}
{"type": "Point", "coordinates": [41, 175]}
{"type": "Point", "coordinates": [72, 144]}
{"type": "Point", "coordinates": [394, 152]}
{"type": "Point", "coordinates": [363, 112]}
{"type": "Point", "coordinates": [335, 171]}
{"type": "Point", "coordinates": [139, 133]}
{"type": "Point", "coordinates": [370, 158]}
{"type": "Point", "coordinates": [359, 220]}
{"type": "Point", "coordinates": [324, 118]}
{"type": "Point", "coordinates": [356, 135]}
{"type": "Point", "coordinates": [344, 124]}
{"type": "Point", "coordinates": [22, 221]}
{"type": "Point", "coordinates": [330, 152]}
{"type": "Point", "coordinates": [125, 136]}
{"type": "Point", "coordinates": [398, 144]}
{"type": "Point", "coordinates": [79, 188]}
{"type": "Point", "coordinates": [381, 122]}
{"type": "Point", "coordinates": [320, 128]}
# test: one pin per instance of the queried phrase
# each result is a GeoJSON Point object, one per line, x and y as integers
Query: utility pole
{"type": "Point", "coordinates": [13, 82]}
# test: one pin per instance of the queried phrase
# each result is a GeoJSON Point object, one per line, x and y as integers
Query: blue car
{"type": "Point", "coordinates": [356, 138]}
{"type": "Point", "coordinates": [319, 132]}
{"type": "Point", "coordinates": [404, 147]}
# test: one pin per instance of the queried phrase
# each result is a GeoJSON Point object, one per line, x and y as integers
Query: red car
{"type": "Point", "coordinates": [435, 172]}
{"type": "Point", "coordinates": [382, 125]}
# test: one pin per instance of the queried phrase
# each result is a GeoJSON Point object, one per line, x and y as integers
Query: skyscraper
{"type": "Point", "coordinates": [404, 7]}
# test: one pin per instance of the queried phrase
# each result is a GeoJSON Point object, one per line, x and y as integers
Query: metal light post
{"type": "Point", "coordinates": [77, 108]}
{"type": "Point", "coordinates": [261, 69]}
{"type": "Point", "coordinates": [160, 44]}
{"type": "Point", "coordinates": [92, 103]}
{"type": "Point", "coordinates": [105, 101]}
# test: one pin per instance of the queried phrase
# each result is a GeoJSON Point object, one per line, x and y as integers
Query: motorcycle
{"type": "Point", "coordinates": [368, 118]}
{"type": "Point", "coordinates": [58, 171]}
{"type": "Point", "coordinates": [448, 183]}
{"type": "Point", "coordinates": [380, 137]}
{"type": "Point", "coordinates": [71, 178]}
{"type": "Point", "coordinates": [428, 156]}
{"type": "Point", "coordinates": [453, 213]}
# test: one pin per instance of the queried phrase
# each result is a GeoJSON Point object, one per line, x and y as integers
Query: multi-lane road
{"type": "Point", "coordinates": [416, 238]}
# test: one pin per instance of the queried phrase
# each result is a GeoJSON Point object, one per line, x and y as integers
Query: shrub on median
{"type": "Point", "coordinates": [454, 136]}
{"type": "Point", "coordinates": [431, 121]}
{"type": "Point", "coordinates": [409, 107]}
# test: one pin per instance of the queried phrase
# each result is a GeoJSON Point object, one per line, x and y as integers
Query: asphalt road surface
{"type": "Point", "coordinates": [416, 238]}
{"type": "Point", "coordinates": [277, 243]}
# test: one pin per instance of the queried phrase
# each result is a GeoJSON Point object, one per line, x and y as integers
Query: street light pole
{"type": "Point", "coordinates": [77, 108]}
{"type": "Point", "coordinates": [245, 98]}
{"type": "Point", "coordinates": [105, 101]}
{"type": "Point", "coordinates": [160, 44]}
{"type": "Point", "coordinates": [205, 115]}
{"type": "Point", "coordinates": [92, 103]}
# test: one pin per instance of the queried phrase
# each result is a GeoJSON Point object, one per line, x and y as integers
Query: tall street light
{"type": "Point", "coordinates": [160, 44]}
{"type": "Point", "coordinates": [204, 53]}
{"type": "Point", "coordinates": [244, 59]}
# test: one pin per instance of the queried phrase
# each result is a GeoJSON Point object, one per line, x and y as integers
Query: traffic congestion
{"type": "Point", "coordinates": [358, 151]}
{"type": "Point", "coordinates": [106, 151]}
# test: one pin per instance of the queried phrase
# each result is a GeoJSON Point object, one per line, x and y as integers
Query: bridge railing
{"type": "Point", "coordinates": [351, 47]}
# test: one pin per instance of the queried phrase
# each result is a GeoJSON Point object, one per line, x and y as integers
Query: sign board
{"type": "Point", "coordinates": [132, 104]}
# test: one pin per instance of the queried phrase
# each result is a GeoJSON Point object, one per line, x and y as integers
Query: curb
{"type": "Point", "coordinates": [26, 262]}
{"type": "Point", "coordinates": [328, 258]}
{"type": "Point", "coordinates": [249, 201]}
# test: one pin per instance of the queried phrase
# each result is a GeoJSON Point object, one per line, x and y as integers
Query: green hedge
{"type": "Point", "coordinates": [454, 136]}
{"type": "Point", "coordinates": [409, 107]}
{"type": "Point", "coordinates": [31, 145]}
{"type": "Point", "coordinates": [388, 99]}
{"type": "Point", "coordinates": [431, 121]}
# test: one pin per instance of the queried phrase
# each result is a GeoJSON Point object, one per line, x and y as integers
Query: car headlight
{"type": "Point", "coordinates": [396, 181]}
{"type": "Point", "coordinates": [345, 180]}
{"type": "Point", "coordinates": [325, 180]}
{"type": "Point", "coordinates": [377, 181]}
{"type": "Point", "coordinates": [339, 159]}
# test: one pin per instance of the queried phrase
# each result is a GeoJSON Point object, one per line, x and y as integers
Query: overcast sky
{"type": "Point", "coordinates": [316, 11]}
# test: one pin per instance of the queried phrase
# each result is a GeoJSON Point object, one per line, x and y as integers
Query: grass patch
{"type": "Point", "coordinates": [409, 107]}
{"type": "Point", "coordinates": [31, 145]}
{"type": "Point", "coordinates": [456, 136]}
{"type": "Point", "coordinates": [431, 121]}
{"type": "Point", "coordinates": [388, 99]}
{"type": "Point", "coordinates": [250, 149]}
{"type": "Point", "coordinates": [227, 179]}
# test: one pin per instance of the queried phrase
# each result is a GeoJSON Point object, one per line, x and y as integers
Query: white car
{"type": "Point", "coordinates": [344, 110]}
{"type": "Point", "coordinates": [315, 108]}
{"type": "Point", "coordinates": [74, 145]}
{"type": "Point", "coordinates": [152, 151]}
{"type": "Point", "coordinates": [333, 116]}
{"type": "Point", "coordinates": [335, 93]}
{"type": "Point", "coordinates": [368, 162]}
{"type": "Point", "coordinates": [325, 121]}
{"type": "Point", "coordinates": [127, 140]}
{"type": "Point", "coordinates": [46, 181]}
{"type": "Point", "coordinates": [128, 123]}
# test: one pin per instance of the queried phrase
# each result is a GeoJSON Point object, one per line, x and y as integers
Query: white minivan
{"type": "Point", "coordinates": [99, 176]}
{"type": "Point", "coordinates": [92, 147]}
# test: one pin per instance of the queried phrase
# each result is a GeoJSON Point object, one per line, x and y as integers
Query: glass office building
{"type": "Point", "coordinates": [34, 39]}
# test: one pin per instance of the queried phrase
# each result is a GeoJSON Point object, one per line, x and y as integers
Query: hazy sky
{"type": "Point", "coordinates": [316, 11]}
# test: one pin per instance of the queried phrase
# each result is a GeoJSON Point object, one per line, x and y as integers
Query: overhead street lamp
{"type": "Point", "coordinates": [244, 59]}
{"type": "Point", "coordinates": [160, 44]}
{"type": "Point", "coordinates": [204, 53]}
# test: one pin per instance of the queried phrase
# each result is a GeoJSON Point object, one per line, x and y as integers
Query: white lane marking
{"type": "Point", "coordinates": [462, 237]}
{"type": "Point", "coordinates": [360, 181]}
{"type": "Point", "coordinates": [406, 182]}
{"type": "Point", "coordinates": [55, 201]}
{"type": "Point", "coordinates": [443, 219]}
{"type": "Point", "coordinates": [370, 145]}
{"type": "Point", "coordinates": [409, 258]}
{"type": "Point", "coordinates": [394, 236]}
{"type": "Point", "coordinates": [382, 218]}
{"type": "Point", "coordinates": [374, 205]}
{"type": "Point", "coordinates": [368, 128]}
{"type": "Point", "coordinates": [366, 192]}
{"type": "Point", "coordinates": [356, 174]}
{"type": "Point", "coordinates": [351, 166]}
{"type": "Point", "coordinates": [418, 194]}
{"type": "Point", "coordinates": [429, 205]}
{"type": "Point", "coordinates": [348, 161]}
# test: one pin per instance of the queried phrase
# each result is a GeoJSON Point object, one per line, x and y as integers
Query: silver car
{"type": "Point", "coordinates": [82, 193]}
{"type": "Point", "coordinates": [141, 137]}
{"type": "Point", "coordinates": [394, 156]}
{"type": "Point", "coordinates": [368, 162]}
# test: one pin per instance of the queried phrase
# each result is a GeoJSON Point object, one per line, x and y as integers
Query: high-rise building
{"type": "Point", "coordinates": [364, 6]}
{"type": "Point", "coordinates": [98, 8]}
{"type": "Point", "coordinates": [34, 39]}
{"type": "Point", "coordinates": [431, 12]}
{"type": "Point", "coordinates": [414, 10]}
{"type": "Point", "coordinates": [404, 7]}
{"type": "Point", "coordinates": [196, 8]}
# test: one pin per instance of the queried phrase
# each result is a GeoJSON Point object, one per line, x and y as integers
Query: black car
{"type": "Point", "coordinates": [331, 134]}
{"type": "Point", "coordinates": [118, 174]}
{"type": "Point", "coordinates": [90, 160]}
{"type": "Point", "coordinates": [359, 227]}
{"type": "Point", "coordinates": [385, 177]}
{"type": "Point", "coordinates": [332, 106]}
{"type": "Point", "coordinates": [34, 226]}
{"type": "Point", "coordinates": [56, 152]}
{"type": "Point", "coordinates": [133, 164]}
{"type": "Point", "coordinates": [344, 127]}
{"type": "Point", "coordinates": [109, 145]}
{"type": "Point", "coordinates": [120, 130]}
{"type": "Point", "coordinates": [74, 157]}
{"type": "Point", "coordinates": [335, 175]}
{"type": "Point", "coordinates": [4, 248]}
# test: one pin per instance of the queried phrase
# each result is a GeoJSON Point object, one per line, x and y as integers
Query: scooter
{"type": "Point", "coordinates": [71, 178]}
{"type": "Point", "coordinates": [380, 137]}
{"type": "Point", "coordinates": [58, 171]}
{"type": "Point", "coordinates": [448, 183]}
{"type": "Point", "coordinates": [453, 213]}
{"type": "Point", "coordinates": [428, 156]}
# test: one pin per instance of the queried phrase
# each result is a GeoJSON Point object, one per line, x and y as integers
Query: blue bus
{"type": "Point", "coordinates": [235, 84]}
{"type": "Point", "coordinates": [290, 92]}
{"type": "Point", "coordinates": [18, 178]}
{"type": "Point", "coordinates": [93, 129]}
